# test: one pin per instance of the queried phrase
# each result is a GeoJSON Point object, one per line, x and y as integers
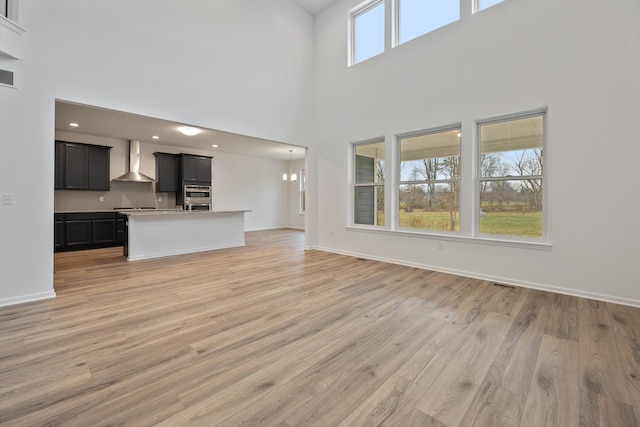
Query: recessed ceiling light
{"type": "Point", "coordinates": [189, 131]}
{"type": "Point", "coordinates": [155, 137]}
{"type": "Point", "coordinates": [74, 125]}
{"type": "Point", "coordinates": [215, 145]}
{"type": "Point", "coordinates": [458, 135]}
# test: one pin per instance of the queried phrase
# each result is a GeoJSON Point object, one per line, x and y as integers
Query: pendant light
{"type": "Point", "coordinates": [291, 176]}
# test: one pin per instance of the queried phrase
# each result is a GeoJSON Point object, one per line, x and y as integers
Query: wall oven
{"type": "Point", "coordinates": [197, 198]}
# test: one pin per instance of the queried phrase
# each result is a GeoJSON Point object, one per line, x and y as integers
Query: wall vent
{"type": "Point", "coordinates": [6, 78]}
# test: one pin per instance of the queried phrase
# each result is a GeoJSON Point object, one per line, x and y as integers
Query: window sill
{"type": "Point", "coordinates": [6, 22]}
{"type": "Point", "coordinates": [542, 246]}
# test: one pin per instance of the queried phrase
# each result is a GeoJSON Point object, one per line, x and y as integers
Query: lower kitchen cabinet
{"type": "Point", "coordinates": [121, 229]}
{"type": "Point", "coordinates": [59, 231]}
{"type": "Point", "coordinates": [74, 231]}
{"type": "Point", "coordinates": [78, 233]}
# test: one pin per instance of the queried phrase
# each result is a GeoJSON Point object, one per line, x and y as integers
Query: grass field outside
{"type": "Point", "coordinates": [428, 220]}
{"type": "Point", "coordinates": [510, 223]}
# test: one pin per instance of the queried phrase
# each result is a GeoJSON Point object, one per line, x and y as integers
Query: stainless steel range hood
{"type": "Point", "coordinates": [133, 173]}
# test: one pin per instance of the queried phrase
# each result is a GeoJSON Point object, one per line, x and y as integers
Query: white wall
{"type": "Point", "coordinates": [578, 58]}
{"type": "Point", "coordinates": [235, 65]}
{"type": "Point", "coordinates": [243, 182]}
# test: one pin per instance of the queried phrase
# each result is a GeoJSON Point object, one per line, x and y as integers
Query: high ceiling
{"type": "Point", "coordinates": [117, 124]}
{"type": "Point", "coordinates": [314, 6]}
{"type": "Point", "coordinates": [121, 125]}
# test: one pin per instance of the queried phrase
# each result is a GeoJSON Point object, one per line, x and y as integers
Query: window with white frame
{"type": "Point", "coordinates": [368, 183]}
{"type": "Point", "coordinates": [411, 19]}
{"type": "Point", "coordinates": [429, 186]}
{"type": "Point", "coordinates": [418, 17]}
{"type": "Point", "coordinates": [511, 176]}
{"type": "Point", "coordinates": [367, 31]}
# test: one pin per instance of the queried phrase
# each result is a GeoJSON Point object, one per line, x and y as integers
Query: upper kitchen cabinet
{"type": "Point", "coordinates": [81, 166]}
{"type": "Point", "coordinates": [59, 169]}
{"type": "Point", "coordinates": [99, 168]}
{"type": "Point", "coordinates": [196, 169]}
{"type": "Point", "coordinates": [167, 166]}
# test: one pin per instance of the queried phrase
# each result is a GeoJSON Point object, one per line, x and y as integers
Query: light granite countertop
{"type": "Point", "coordinates": [151, 212]}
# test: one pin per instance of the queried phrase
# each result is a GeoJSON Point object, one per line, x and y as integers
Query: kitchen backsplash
{"type": "Point", "coordinates": [121, 195]}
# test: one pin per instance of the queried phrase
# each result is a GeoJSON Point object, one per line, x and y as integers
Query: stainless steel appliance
{"type": "Point", "coordinates": [197, 198]}
{"type": "Point", "coordinates": [133, 172]}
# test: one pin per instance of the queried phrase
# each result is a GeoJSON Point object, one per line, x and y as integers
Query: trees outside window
{"type": "Point", "coordinates": [429, 196]}
{"type": "Point", "coordinates": [504, 190]}
{"type": "Point", "coordinates": [511, 176]}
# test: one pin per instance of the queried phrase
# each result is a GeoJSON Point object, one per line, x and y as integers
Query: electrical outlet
{"type": "Point", "coordinates": [441, 246]}
{"type": "Point", "coordinates": [101, 198]}
{"type": "Point", "coordinates": [159, 198]}
{"type": "Point", "coordinates": [7, 199]}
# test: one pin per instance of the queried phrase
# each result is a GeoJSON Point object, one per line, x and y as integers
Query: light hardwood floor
{"type": "Point", "coordinates": [270, 335]}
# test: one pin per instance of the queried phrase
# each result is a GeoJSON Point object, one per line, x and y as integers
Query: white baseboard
{"type": "Point", "coordinates": [275, 227]}
{"type": "Point", "coordinates": [504, 280]}
{"type": "Point", "coordinates": [27, 298]}
{"type": "Point", "coordinates": [248, 230]}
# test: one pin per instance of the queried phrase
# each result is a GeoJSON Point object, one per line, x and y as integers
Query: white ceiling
{"type": "Point", "coordinates": [117, 124]}
{"type": "Point", "coordinates": [314, 6]}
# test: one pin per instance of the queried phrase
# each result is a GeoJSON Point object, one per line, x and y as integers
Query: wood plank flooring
{"type": "Point", "coordinates": [271, 335]}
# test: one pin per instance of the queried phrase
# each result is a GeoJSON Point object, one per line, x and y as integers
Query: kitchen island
{"type": "Point", "coordinates": [154, 234]}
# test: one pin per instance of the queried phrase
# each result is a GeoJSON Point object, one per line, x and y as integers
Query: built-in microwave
{"type": "Point", "coordinates": [197, 197]}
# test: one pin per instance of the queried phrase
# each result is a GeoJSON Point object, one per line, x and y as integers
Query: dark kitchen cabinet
{"type": "Point", "coordinates": [74, 231]}
{"type": "Point", "coordinates": [167, 166]}
{"type": "Point", "coordinates": [103, 228]}
{"type": "Point", "coordinates": [76, 173]}
{"type": "Point", "coordinates": [204, 169]}
{"type": "Point", "coordinates": [77, 231]}
{"type": "Point", "coordinates": [121, 229]}
{"type": "Point", "coordinates": [59, 166]}
{"type": "Point", "coordinates": [195, 169]}
{"type": "Point", "coordinates": [98, 169]}
{"type": "Point", "coordinates": [81, 166]}
{"type": "Point", "coordinates": [59, 231]}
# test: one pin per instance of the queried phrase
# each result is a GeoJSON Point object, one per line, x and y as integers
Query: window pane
{"type": "Point", "coordinates": [512, 149]}
{"type": "Point", "coordinates": [431, 156]}
{"type": "Point", "coordinates": [483, 4]}
{"type": "Point", "coordinates": [430, 206]}
{"type": "Point", "coordinates": [368, 179]}
{"type": "Point", "coordinates": [511, 207]}
{"type": "Point", "coordinates": [418, 17]}
{"type": "Point", "coordinates": [512, 135]}
{"type": "Point", "coordinates": [369, 166]}
{"type": "Point", "coordinates": [512, 163]}
{"type": "Point", "coordinates": [368, 33]}
{"type": "Point", "coordinates": [369, 205]}
{"type": "Point", "coordinates": [424, 160]}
